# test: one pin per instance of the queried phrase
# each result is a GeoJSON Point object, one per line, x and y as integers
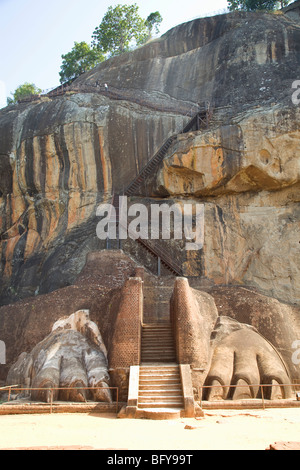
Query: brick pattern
{"type": "Point", "coordinates": [183, 315]}
{"type": "Point", "coordinates": [125, 349]}
{"type": "Point", "coordinates": [187, 324]}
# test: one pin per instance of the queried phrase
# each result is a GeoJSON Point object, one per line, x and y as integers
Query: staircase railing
{"type": "Point", "coordinates": [198, 121]}
{"type": "Point", "coordinates": [149, 167]}
{"type": "Point", "coordinates": [152, 246]}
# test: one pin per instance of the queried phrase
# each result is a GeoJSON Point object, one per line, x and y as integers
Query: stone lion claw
{"type": "Point", "coordinates": [70, 364]}
{"type": "Point", "coordinates": [241, 360]}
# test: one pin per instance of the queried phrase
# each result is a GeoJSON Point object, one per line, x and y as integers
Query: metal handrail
{"type": "Point", "coordinates": [261, 386]}
{"type": "Point", "coordinates": [52, 389]}
{"type": "Point", "coordinates": [150, 245]}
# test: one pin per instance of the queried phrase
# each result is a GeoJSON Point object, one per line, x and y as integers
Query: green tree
{"type": "Point", "coordinates": [120, 29]}
{"type": "Point", "coordinates": [22, 91]}
{"type": "Point", "coordinates": [153, 21]}
{"type": "Point", "coordinates": [254, 5]}
{"type": "Point", "coordinates": [81, 59]}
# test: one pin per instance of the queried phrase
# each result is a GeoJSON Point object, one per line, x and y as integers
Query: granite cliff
{"type": "Point", "coordinates": [61, 156]}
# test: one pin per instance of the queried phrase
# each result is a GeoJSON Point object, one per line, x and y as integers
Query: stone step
{"type": "Point", "coordinates": [160, 387]}
{"type": "Point", "coordinates": [160, 380]}
{"type": "Point", "coordinates": [159, 375]}
{"type": "Point", "coordinates": [159, 413]}
{"type": "Point", "coordinates": [159, 368]}
{"type": "Point", "coordinates": [172, 392]}
{"type": "Point", "coordinates": [161, 359]}
{"type": "Point", "coordinates": [157, 334]}
{"type": "Point", "coordinates": [157, 344]}
{"type": "Point", "coordinates": [158, 349]}
{"type": "Point", "coordinates": [158, 357]}
{"type": "Point", "coordinates": [161, 398]}
{"type": "Point", "coordinates": [163, 404]}
{"type": "Point", "coordinates": [156, 326]}
{"type": "Point", "coordinates": [157, 339]}
{"type": "Point", "coordinates": [156, 352]}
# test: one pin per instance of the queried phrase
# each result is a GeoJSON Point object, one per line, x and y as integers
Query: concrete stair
{"type": "Point", "coordinates": [160, 388]}
{"type": "Point", "coordinates": [157, 343]}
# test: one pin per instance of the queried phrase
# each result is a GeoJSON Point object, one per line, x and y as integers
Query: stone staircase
{"type": "Point", "coordinates": [157, 345]}
{"type": "Point", "coordinates": [160, 392]}
{"type": "Point", "coordinates": [160, 387]}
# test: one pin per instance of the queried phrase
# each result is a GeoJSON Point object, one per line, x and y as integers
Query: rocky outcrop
{"type": "Point", "coordinates": [222, 350]}
{"type": "Point", "coordinates": [247, 175]}
{"type": "Point", "coordinates": [60, 156]}
{"type": "Point", "coordinates": [59, 166]}
{"type": "Point", "coordinates": [50, 345]}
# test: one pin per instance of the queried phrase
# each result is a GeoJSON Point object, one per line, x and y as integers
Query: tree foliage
{"type": "Point", "coordinates": [254, 5]}
{"type": "Point", "coordinates": [82, 58]}
{"type": "Point", "coordinates": [153, 21]}
{"type": "Point", "coordinates": [122, 28]}
{"type": "Point", "coordinates": [22, 91]}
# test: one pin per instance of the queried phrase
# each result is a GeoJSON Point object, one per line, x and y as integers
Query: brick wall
{"type": "Point", "coordinates": [192, 346]}
{"type": "Point", "coordinates": [125, 348]}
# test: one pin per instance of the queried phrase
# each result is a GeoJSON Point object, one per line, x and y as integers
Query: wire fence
{"type": "Point", "coordinates": [260, 387]}
{"type": "Point", "coordinates": [51, 391]}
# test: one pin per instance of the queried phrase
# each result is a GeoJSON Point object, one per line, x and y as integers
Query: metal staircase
{"type": "Point", "coordinates": [152, 246]}
{"type": "Point", "coordinates": [157, 343]}
{"type": "Point", "coordinates": [198, 121]}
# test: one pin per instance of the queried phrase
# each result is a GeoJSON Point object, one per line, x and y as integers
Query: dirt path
{"type": "Point", "coordinates": [227, 429]}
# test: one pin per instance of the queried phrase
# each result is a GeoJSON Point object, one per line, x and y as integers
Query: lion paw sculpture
{"type": "Point", "coordinates": [70, 360]}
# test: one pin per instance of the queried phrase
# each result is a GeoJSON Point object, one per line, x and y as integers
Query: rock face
{"type": "Point", "coordinates": [61, 156]}
{"type": "Point", "coordinates": [228, 335]}
{"type": "Point", "coordinates": [247, 174]}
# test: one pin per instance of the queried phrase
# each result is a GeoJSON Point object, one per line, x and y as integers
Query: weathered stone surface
{"type": "Point", "coordinates": [223, 352]}
{"type": "Point", "coordinates": [59, 167]}
{"type": "Point", "coordinates": [256, 151]}
{"type": "Point", "coordinates": [225, 309]}
{"type": "Point", "coordinates": [247, 175]}
{"type": "Point", "coordinates": [61, 156]}
{"type": "Point", "coordinates": [73, 355]}
{"type": "Point", "coordinates": [24, 324]}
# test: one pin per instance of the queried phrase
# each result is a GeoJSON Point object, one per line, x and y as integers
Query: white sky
{"type": "Point", "coordinates": [35, 33]}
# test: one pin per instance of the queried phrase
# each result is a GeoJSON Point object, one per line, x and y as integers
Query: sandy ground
{"type": "Point", "coordinates": [218, 430]}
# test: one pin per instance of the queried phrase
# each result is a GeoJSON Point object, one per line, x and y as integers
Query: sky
{"type": "Point", "coordinates": [35, 33]}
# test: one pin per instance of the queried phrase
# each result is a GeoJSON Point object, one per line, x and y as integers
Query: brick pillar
{"type": "Point", "coordinates": [139, 272]}
{"type": "Point", "coordinates": [192, 344]}
{"type": "Point", "coordinates": [125, 349]}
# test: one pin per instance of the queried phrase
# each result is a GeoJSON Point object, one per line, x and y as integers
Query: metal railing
{"type": "Point", "coordinates": [260, 387]}
{"type": "Point", "coordinates": [51, 390]}
{"type": "Point", "coordinates": [152, 246]}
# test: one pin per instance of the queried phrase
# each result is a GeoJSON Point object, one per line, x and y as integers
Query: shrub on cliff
{"type": "Point", "coordinates": [253, 5]}
{"type": "Point", "coordinates": [82, 58]}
